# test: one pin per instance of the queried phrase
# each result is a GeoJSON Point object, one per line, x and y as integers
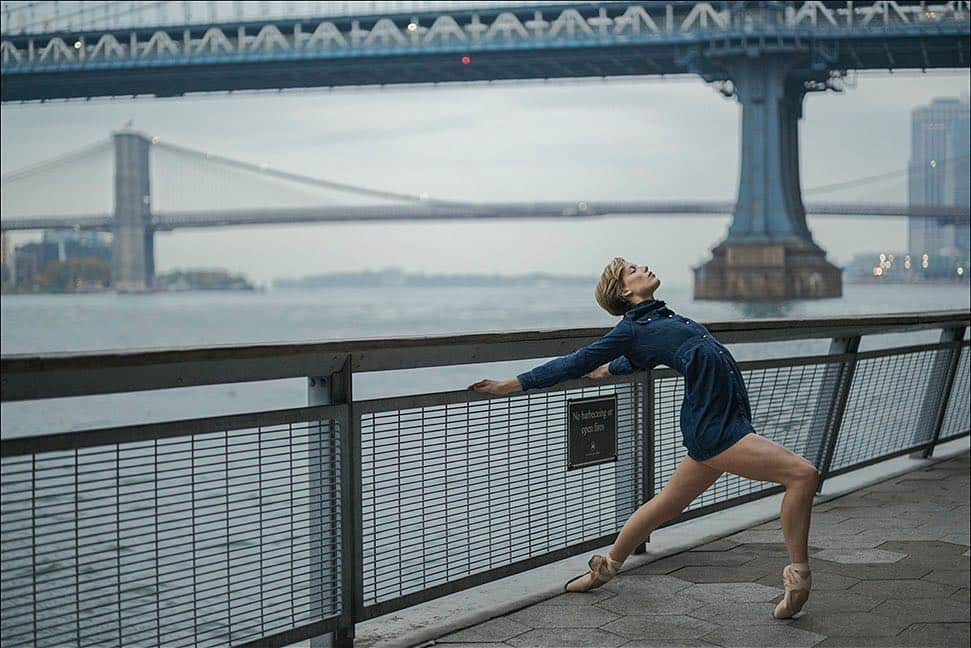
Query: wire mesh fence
{"type": "Point", "coordinates": [957, 416]}
{"type": "Point", "coordinates": [886, 411]}
{"type": "Point", "coordinates": [210, 538]}
{"type": "Point", "coordinates": [451, 490]}
{"type": "Point", "coordinates": [236, 530]}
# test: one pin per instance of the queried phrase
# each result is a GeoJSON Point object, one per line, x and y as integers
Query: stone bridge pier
{"type": "Point", "coordinates": [133, 237]}
{"type": "Point", "coordinates": [769, 253]}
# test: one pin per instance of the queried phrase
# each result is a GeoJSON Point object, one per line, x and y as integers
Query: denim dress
{"type": "Point", "coordinates": [715, 412]}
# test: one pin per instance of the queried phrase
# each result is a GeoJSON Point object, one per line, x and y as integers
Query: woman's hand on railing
{"type": "Point", "coordinates": [497, 387]}
{"type": "Point", "coordinates": [601, 372]}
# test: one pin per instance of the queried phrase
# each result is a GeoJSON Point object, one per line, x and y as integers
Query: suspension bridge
{"type": "Point", "coordinates": [161, 186]}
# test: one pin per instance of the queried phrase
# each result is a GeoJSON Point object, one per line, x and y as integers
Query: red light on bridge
{"type": "Point", "coordinates": [466, 60]}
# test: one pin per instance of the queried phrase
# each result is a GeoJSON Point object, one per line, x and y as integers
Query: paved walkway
{"type": "Point", "coordinates": [890, 568]}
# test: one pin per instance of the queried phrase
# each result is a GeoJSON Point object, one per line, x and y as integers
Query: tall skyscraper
{"type": "Point", "coordinates": [940, 174]}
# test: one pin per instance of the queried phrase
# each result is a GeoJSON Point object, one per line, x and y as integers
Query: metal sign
{"type": "Point", "coordinates": [591, 431]}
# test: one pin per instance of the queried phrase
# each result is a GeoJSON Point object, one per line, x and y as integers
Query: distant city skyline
{"type": "Point", "coordinates": [622, 139]}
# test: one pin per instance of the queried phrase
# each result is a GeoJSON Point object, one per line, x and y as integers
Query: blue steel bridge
{"type": "Point", "coordinates": [767, 55]}
{"type": "Point", "coordinates": [89, 53]}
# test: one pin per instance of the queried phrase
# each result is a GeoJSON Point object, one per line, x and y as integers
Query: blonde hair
{"type": "Point", "coordinates": [610, 287]}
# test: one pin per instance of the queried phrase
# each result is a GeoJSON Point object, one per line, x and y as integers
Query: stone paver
{"type": "Point", "coordinates": [902, 569]}
{"type": "Point", "coordinates": [845, 541]}
{"type": "Point", "coordinates": [696, 559]}
{"type": "Point", "coordinates": [667, 643]}
{"type": "Point", "coordinates": [721, 574]}
{"type": "Point", "coordinates": [963, 595]}
{"type": "Point", "coordinates": [851, 624]}
{"type": "Point", "coordinates": [636, 603]}
{"type": "Point", "coordinates": [926, 551]}
{"type": "Point", "coordinates": [955, 577]}
{"type": "Point", "coordinates": [733, 592]}
{"type": "Point", "coordinates": [862, 642]}
{"type": "Point", "coordinates": [890, 568]}
{"type": "Point", "coordinates": [498, 629]}
{"type": "Point", "coordinates": [562, 616]}
{"type": "Point", "coordinates": [660, 628]}
{"type": "Point", "coordinates": [858, 556]}
{"type": "Point", "coordinates": [937, 634]}
{"type": "Point", "coordinates": [733, 614]}
{"type": "Point", "coordinates": [958, 538]}
{"type": "Point", "coordinates": [567, 638]}
{"type": "Point", "coordinates": [648, 585]}
{"type": "Point", "coordinates": [925, 609]}
{"type": "Point", "coordinates": [903, 589]}
{"type": "Point", "coordinates": [824, 602]}
{"type": "Point", "coordinates": [763, 637]}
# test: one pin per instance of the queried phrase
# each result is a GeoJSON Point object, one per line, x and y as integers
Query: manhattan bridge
{"type": "Point", "coordinates": [765, 55]}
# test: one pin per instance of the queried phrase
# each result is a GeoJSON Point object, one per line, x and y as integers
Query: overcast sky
{"type": "Point", "coordinates": [620, 139]}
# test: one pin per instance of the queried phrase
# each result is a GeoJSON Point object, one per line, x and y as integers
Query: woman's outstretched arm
{"type": "Point", "coordinates": [583, 361]}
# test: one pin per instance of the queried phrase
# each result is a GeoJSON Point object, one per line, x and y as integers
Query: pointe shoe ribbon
{"type": "Point", "coordinates": [797, 590]}
{"type": "Point", "coordinates": [602, 569]}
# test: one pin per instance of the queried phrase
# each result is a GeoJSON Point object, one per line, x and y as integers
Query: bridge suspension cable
{"type": "Point", "coordinates": [311, 181]}
{"type": "Point", "coordinates": [857, 182]}
{"type": "Point", "coordinates": [75, 183]}
{"type": "Point", "coordinates": [90, 154]}
{"type": "Point", "coordinates": [45, 165]}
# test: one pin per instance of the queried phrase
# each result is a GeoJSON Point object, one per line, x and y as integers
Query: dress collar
{"type": "Point", "coordinates": [649, 308]}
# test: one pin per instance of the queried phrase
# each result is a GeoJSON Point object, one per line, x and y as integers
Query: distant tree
{"type": "Point", "coordinates": [70, 275]}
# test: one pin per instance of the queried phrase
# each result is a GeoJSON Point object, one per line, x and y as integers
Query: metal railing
{"type": "Point", "coordinates": [271, 527]}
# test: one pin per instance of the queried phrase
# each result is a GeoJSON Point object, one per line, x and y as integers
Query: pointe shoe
{"type": "Point", "coordinates": [797, 590]}
{"type": "Point", "coordinates": [602, 569]}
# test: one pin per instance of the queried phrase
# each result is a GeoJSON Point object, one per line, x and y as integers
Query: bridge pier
{"type": "Point", "coordinates": [769, 252]}
{"type": "Point", "coordinates": [133, 237]}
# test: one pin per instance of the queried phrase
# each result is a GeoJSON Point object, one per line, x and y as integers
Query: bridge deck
{"type": "Point", "coordinates": [569, 41]}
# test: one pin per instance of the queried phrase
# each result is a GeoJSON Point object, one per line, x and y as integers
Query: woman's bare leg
{"type": "Point", "coordinates": [755, 457]}
{"type": "Point", "coordinates": [690, 479]}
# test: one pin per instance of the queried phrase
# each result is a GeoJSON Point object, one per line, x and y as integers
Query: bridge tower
{"type": "Point", "coordinates": [133, 237]}
{"type": "Point", "coordinates": [769, 252]}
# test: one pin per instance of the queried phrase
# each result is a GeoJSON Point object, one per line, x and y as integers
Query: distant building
{"type": "Point", "coordinates": [78, 244]}
{"type": "Point", "coordinates": [30, 259]}
{"type": "Point", "coordinates": [940, 175]}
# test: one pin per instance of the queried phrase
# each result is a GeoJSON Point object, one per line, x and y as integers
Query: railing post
{"type": "Point", "coordinates": [935, 400]}
{"type": "Point", "coordinates": [337, 389]}
{"type": "Point", "coordinates": [842, 374]}
{"type": "Point", "coordinates": [647, 452]}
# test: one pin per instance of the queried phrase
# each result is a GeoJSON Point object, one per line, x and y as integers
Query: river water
{"type": "Point", "coordinates": [71, 323]}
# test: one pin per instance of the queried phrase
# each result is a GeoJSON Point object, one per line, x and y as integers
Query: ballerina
{"type": "Point", "coordinates": [716, 422]}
